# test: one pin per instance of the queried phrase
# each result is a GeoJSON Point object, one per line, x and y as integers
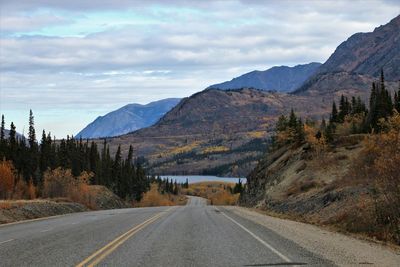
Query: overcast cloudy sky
{"type": "Point", "coordinates": [71, 61]}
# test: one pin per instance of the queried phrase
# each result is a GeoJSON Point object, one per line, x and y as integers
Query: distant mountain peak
{"type": "Point", "coordinates": [278, 78]}
{"type": "Point", "coordinates": [359, 60]}
{"type": "Point", "coordinates": [128, 118]}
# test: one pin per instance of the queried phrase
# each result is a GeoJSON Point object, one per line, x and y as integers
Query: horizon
{"type": "Point", "coordinates": [58, 60]}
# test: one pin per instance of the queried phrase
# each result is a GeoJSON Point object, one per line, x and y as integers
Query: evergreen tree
{"type": "Point", "coordinates": [292, 120]}
{"type": "Point", "coordinates": [32, 134]}
{"type": "Point", "coordinates": [238, 188]}
{"type": "Point", "coordinates": [381, 105]}
{"type": "Point", "coordinates": [397, 100]}
{"type": "Point", "coordinates": [299, 132]}
{"type": "Point", "coordinates": [334, 114]}
{"type": "Point", "coordinates": [282, 123]}
{"type": "Point", "coordinates": [2, 129]}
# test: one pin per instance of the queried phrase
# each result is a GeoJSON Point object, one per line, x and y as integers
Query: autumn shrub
{"type": "Point", "coordinates": [61, 183]}
{"type": "Point", "coordinates": [7, 179]}
{"type": "Point", "coordinates": [218, 193]}
{"type": "Point", "coordinates": [23, 190]}
{"type": "Point", "coordinates": [379, 167]}
{"type": "Point", "coordinates": [317, 142]}
{"type": "Point", "coordinates": [352, 124]}
{"type": "Point", "coordinates": [154, 197]}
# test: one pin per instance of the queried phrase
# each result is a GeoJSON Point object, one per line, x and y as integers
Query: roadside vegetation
{"type": "Point", "coordinates": [66, 168]}
{"type": "Point", "coordinates": [156, 197]}
{"type": "Point", "coordinates": [342, 172]}
{"type": "Point", "coordinates": [217, 193]}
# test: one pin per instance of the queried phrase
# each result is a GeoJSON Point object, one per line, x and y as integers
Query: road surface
{"type": "Point", "coordinates": [192, 235]}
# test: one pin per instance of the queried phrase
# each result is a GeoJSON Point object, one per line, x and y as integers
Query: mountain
{"type": "Point", "coordinates": [220, 132]}
{"type": "Point", "coordinates": [281, 79]}
{"type": "Point", "coordinates": [225, 132]}
{"type": "Point", "coordinates": [357, 62]}
{"type": "Point", "coordinates": [7, 134]}
{"type": "Point", "coordinates": [127, 119]}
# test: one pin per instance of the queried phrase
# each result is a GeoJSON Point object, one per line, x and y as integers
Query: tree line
{"type": "Point", "coordinates": [352, 112]}
{"type": "Point", "coordinates": [31, 159]}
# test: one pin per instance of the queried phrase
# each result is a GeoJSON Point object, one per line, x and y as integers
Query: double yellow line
{"type": "Point", "coordinates": [102, 253]}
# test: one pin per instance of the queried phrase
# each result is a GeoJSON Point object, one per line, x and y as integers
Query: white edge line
{"type": "Point", "coordinates": [2, 242]}
{"type": "Point", "coordinates": [283, 257]}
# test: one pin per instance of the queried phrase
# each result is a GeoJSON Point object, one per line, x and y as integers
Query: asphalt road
{"type": "Point", "coordinates": [192, 235]}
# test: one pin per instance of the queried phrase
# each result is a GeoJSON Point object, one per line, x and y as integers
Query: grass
{"type": "Point", "coordinates": [217, 193]}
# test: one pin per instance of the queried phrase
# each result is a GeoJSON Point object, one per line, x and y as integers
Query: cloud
{"type": "Point", "coordinates": [98, 55]}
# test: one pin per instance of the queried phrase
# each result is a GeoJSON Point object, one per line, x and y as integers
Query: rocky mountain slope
{"type": "Point", "coordinates": [214, 131]}
{"type": "Point", "coordinates": [357, 62]}
{"type": "Point", "coordinates": [280, 79]}
{"type": "Point", "coordinates": [127, 119]}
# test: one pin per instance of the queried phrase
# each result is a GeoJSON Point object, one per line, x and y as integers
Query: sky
{"type": "Point", "coordinates": [72, 61]}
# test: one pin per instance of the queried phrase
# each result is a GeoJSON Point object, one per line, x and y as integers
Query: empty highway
{"type": "Point", "coordinates": [192, 235]}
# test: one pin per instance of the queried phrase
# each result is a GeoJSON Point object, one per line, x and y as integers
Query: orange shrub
{"type": "Point", "coordinates": [7, 179]}
{"type": "Point", "coordinates": [61, 183]}
{"type": "Point", "coordinates": [379, 167]}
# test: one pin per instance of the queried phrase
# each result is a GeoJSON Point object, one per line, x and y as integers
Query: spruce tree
{"type": "Point", "coordinates": [282, 123]}
{"type": "Point", "coordinates": [397, 100]}
{"type": "Point", "coordinates": [334, 114]}
{"type": "Point", "coordinates": [2, 129]}
{"type": "Point", "coordinates": [292, 120]}
{"type": "Point", "coordinates": [12, 135]}
{"type": "Point", "coordinates": [32, 134]}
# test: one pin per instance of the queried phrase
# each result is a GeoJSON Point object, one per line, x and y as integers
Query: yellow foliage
{"type": "Point", "coordinates": [285, 137]}
{"type": "Point", "coordinates": [256, 134]}
{"type": "Point", "coordinates": [351, 124]}
{"type": "Point", "coordinates": [181, 149]}
{"type": "Point", "coordinates": [154, 198]}
{"type": "Point", "coordinates": [215, 149]}
{"type": "Point", "coordinates": [218, 193]}
{"type": "Point", "coordinates": [379, 166]}
{"type": "Point", "coordinates": [319, 145]}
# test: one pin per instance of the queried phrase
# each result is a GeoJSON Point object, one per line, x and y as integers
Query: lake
{"type": "Point", "coordinates": [202, 178]}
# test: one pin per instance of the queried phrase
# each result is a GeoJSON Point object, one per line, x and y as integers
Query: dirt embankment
{"type": "Point", "coordinates": [319, 188]}
{"type": "Point", "coordinates": [18, 210]}
{"type": "Point", "coordinates": [97, 198]}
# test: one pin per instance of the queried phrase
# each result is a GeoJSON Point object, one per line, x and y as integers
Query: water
{"type": "Point", "coordinates": [202, 178]}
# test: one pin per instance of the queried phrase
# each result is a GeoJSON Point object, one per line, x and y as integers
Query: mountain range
{"type": "Point", "coordinates": [135, 116]}
{"type": "Point", "coordinates": [225, 132]}
{"type": "Point", "coordinates": [127, 119]}
{"type": "Point", "coordinates": [357, 62]}
{"type": "Point", "coordinates": [280, 79]}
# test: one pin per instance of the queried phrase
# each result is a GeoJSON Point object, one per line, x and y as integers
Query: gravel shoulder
{"type": "Point", "coordinates": [19, 210]}
{"type": "Point", "coordinates": [338, 248]}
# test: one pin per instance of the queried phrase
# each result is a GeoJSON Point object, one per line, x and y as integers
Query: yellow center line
{"type": "Point", "coordinates": [100, 254]}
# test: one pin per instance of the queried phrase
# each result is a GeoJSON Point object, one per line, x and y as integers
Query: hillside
{"type": "Point", "coordinates": [127, 119]}
{"type": "Point", "coordinates": [322, 172]}
{"type": "Point", "coordinates": [214, 131]}
{"type": "Point", "coordinates": [280, 79]}
{"type": "Point", "coordinates": [356, 62]}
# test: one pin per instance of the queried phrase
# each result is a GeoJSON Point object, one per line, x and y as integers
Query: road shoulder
{"type": "Point", "coordinates": [336, 247]}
